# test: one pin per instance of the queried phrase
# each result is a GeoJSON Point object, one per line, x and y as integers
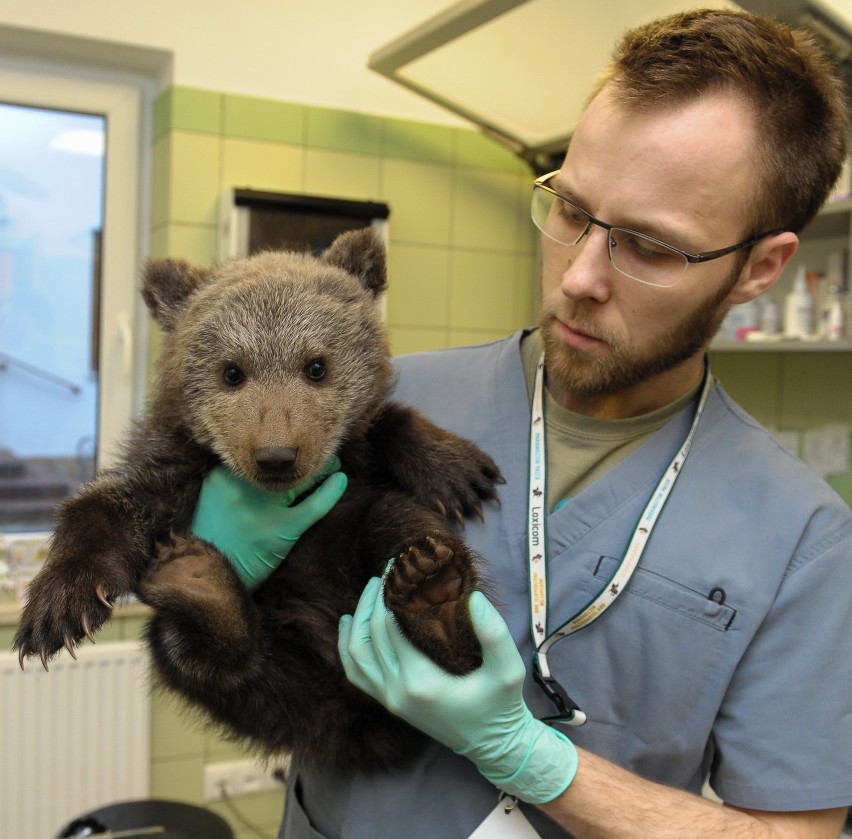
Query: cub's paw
{"type": "Point", "coordinates": [189, 572]}
{"type": "Point", "coordinates": [457, 477]}
{"type": "Point", "coordinates": [61, 610]}
{"type": "Point", "coordinates": [427, 588]}
{"type": "Point", "coordinates": [203, 629]}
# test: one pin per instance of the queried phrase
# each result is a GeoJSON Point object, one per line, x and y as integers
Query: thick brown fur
{"type": "Point", "coordinates": [271, 365]}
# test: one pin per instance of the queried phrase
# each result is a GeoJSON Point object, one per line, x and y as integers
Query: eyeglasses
{"type": "Point", "coordinates": [640, 257]}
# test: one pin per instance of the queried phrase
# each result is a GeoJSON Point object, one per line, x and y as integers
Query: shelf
{"type": "Point", "coordinates": [781, 346]}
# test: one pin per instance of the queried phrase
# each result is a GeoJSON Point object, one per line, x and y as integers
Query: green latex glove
{"type": "Point", "coordinates": [256, 529]}
{"type": "Point", "coordinates": [482, 716]}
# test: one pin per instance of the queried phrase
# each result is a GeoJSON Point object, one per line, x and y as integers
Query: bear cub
{"type": "Point", "coordinates": [272, 365]}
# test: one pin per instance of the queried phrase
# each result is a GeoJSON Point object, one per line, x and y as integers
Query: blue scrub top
{"type": "Point", "coordinates": [729, 653]}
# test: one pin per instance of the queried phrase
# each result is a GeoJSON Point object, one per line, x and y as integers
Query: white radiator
{"type": "Point", "coordinates": [72, 739]}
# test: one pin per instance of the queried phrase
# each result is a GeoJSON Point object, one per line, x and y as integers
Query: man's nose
{"type": "Point", "coordinates": [588, 271]}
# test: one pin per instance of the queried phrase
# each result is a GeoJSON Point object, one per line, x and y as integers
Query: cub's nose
{"type": "Point", "coordinates": [275, 458]}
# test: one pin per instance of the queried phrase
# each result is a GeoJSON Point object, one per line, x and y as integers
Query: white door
{"type": "Point", "coordinates": [69, 266]}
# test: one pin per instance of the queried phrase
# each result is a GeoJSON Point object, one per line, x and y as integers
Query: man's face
{"type": "Point", "coordinates": [683, 177]}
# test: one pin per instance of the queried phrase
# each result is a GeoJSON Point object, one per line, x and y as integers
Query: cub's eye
{"type": "Point", "coordinates": [233, 376]}
{"type": "Point", "coordinates": [315, 369]}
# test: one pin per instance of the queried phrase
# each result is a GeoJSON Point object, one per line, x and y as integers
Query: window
{"type": "Point", "coordinates": [71, 362]}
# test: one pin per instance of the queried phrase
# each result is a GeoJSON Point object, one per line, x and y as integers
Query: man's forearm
{"type": "Point", "coordinates": [607, 802]}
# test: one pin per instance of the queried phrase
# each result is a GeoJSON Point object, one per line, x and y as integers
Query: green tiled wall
{"type": "Point", "coordinates": [462, 269]}
{"type": "Point", "coordinates": [462, 253]}
{"type": "Point", "coordinates": [793, 392]}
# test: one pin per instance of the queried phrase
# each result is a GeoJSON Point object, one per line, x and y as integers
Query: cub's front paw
{"type": "Point", "coordinates": [61, 611]}
{"type": "Point", "coordinates": [457, 477]}
{"type": "Point", "coordinates": [189, 572]}
{"type": "Point", "coordinates": [427, 589]}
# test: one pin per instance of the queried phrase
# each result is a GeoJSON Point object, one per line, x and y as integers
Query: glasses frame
{"type": "Point", "coordinates": [691, 258]}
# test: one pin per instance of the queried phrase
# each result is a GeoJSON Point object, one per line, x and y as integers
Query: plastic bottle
{"type": "Point", "coordinates": [770, 317]}
{"type": "Point", "coordinates": [836, 326]}
{"type": "Point", "coordinates": [799, 308]}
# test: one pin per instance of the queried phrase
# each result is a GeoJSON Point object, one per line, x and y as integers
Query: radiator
{"type": "Point", "coordinates": [72, 739]}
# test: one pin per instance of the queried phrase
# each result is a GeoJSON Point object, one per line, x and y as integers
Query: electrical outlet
{"type": "Point", "coordinates": [241, 777]}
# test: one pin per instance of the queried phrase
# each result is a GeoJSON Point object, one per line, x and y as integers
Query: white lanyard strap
{"type": "Point", "coordinates": [537, 530]}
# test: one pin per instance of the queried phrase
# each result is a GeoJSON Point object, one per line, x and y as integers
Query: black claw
{"type": "Point", "coordinates": [44, 661]}
{"type": "Point", "coordinates": [70, 647]}
{"type": "Point", "coordinates": [459, 519]}
{"type": "Point", "coordinates": [22, 654]}
{"type": "Point", "coordinates": [479, 513]}
{"type": "Point", "coordinates": [442, 509]}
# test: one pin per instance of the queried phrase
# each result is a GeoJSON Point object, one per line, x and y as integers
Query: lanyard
{"type": "Point", "coordinates": [537, 547]}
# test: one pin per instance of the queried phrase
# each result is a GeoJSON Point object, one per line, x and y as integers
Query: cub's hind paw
{"type": "Point", "coordinates": [186, 569]}
{"type": "Point", "coordinates": [427, 589]}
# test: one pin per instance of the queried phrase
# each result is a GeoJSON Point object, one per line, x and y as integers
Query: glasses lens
{"type": "Point", "coordinates": [556, 218]}
{"type": "Point", "coordinates": [645, 260]}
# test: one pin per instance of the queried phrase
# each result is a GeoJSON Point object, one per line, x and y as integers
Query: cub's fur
{"type": "Point", "coordinates": [271, 365]}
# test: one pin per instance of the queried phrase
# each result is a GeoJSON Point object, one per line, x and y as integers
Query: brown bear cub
{"type": "Point", "coordinates": [272, 365]}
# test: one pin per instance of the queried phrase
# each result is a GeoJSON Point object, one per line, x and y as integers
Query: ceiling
{"type": "Point", "coordinates": [521, 69]}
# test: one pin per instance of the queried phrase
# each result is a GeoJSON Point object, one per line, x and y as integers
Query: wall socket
{"type": "Point", "coordinates": [242, 777]}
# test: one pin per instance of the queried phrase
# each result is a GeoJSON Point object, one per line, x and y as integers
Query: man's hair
{"type": "Point", "coordinates": [791, 85]}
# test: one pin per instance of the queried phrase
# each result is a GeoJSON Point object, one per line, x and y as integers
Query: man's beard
{"type": "Point", "coordinates": [583, 374]}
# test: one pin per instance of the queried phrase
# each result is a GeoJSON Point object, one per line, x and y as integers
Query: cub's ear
{"type": "Point", "coordinates": [362, 254]}
{"type": "Point", "coordinates": [167, 286]}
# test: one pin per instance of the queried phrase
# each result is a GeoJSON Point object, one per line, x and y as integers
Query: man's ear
{"type": "Point", "coordinates": [764, 266]}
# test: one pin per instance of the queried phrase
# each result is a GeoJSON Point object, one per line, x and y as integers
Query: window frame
{"type": "Point", "coordinates": [123, 328]}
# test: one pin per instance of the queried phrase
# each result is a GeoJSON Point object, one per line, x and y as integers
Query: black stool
{"type": "Point", "coordinates": [181, 821]}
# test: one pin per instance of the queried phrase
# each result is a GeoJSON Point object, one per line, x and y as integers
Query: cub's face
{"type": "Point", "coordinates": [276, 360]}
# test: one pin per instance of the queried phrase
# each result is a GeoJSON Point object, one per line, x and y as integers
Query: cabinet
{"type": "Point", "coordinates": [830, 231]}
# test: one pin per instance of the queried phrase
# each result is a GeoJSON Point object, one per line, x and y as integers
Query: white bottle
{"type": "Point", "coordinates": [799, 308]}
{"type": "Point", "coordinates": [770, 317]}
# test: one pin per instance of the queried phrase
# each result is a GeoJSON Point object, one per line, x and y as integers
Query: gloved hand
{"type": "Point", "coordinates": [482, 716]}
{"type": "Point", "coordinates": [256, 529]}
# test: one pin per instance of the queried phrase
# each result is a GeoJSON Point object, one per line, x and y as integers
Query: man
{"type": "Point", "coordinates": [717, 642]}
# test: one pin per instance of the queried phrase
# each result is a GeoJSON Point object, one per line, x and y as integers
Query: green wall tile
{"type": "Point", "coordinates": [528, 288]}
{"type": "Point", "coordinates": [419, 141]}
{"type": "Point", "coordinates": [418, 286]}
{"type": "Point", "coordinates": [188, 109]}
{"type": "Point", "coordinates": [7, 633]}
{"type": "Point", "coordinates": [263, 119]}
{"type": "Point", "coordinates": [161, 179]}
{"type": "Point", "coordinates": [343, 131]}
{"type": "Point", "coordinates": [197, 243]}
{"type": "Point", "coordinates": [420, 197]}
{"type": "Point", "coordinates": [468, 337]}
{"type": "Point", "coordinates": [474, 148]}
{"type": "Point", "coordinates": [815, 389]}
{"type": "Point", "coordinates": [484, 291]}
{"type": "Point", "coordinates": [255, 164]}
{"type": "Point", "coordinates": [485, 210]}
{"type": "Point", "coordinates": [342, 175]}
{"type": "Point", "coordinates": [754, 381]}
{"type": "Point", "coordinates": [194, 165]}
{"type": "Point", "coordinates": [405, 340]}
{"type": "Point", "coordinates": [176, 729]}
{"type": "Point", "coordinates": [178, 779]}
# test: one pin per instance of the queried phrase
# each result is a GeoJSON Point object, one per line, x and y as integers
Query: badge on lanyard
{"type": "Point", "coordinates": [505, 821]}
{"type": "Point", "coordinates": [568, 711]}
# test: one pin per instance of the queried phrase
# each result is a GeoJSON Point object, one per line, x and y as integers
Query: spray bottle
{"type": "Point", "coordinates": [799, 308]}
